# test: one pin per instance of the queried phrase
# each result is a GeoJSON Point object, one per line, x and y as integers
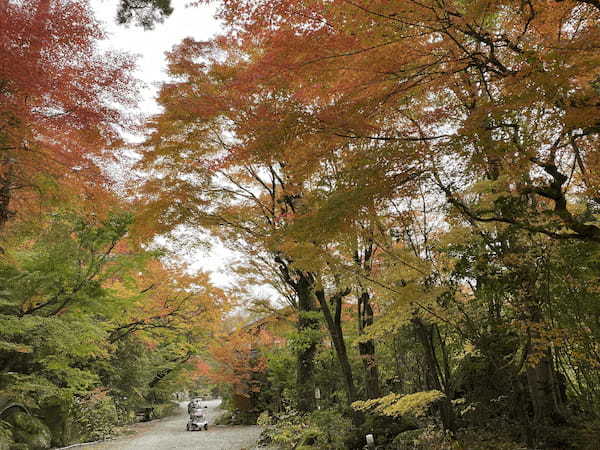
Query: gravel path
{"type": "Point", "coordinates": [170, 433]}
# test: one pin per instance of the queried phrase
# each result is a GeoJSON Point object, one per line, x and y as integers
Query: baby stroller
{"type": "Point", "coordinates": [197, 420]}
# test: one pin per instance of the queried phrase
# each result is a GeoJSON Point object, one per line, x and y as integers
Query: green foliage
{"type": "Point", "coordinates": [299, 341]}
{"type": "Point", "coordinates": [325, 429]}
{"type": "Point", "coordinates": [95, 416]}
{"type": "Point", "coordinates": [6, 436]}
{"type": "Point", "coordinates": [586, 435]}
{"type": "Point", "coordinates": [281, 374]}
{"type": "Point", "coordinates": [226, 418]}
{"type": "Point", "coordinates": [165, 409]}
{"type": "Point", "coordinates": [51, 304]}
{"type": "Point", "coordinates": [129, 368]}
{"type": "Point", "coordinates": [481, 439]}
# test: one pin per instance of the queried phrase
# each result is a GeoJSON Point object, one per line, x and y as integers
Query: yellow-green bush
{"type": "Point", "coordinates": [396, 405]}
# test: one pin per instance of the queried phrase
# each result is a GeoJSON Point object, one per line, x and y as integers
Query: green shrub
{"type": "Point", "coordinates": [579, 436]}
{"type": "Point", "coordinates": [428, 438]}
{"type": "Point", "coordinates": [58, 414]}
{"type": "Point", "coordinates": [285, 431]}
{"type": "Point", "coordinates": [587, 436]}
{"type": "Point", "coordinates": [384, 428]}
{"type": "Point", "coordinates": [406, 439]}
{"type": "Point", "coordinates": [396, 405]}
{"type": "Point", "coordinates": [96, 416]}
{"type": "Point", "coordinates": [126, 416]}
{"type": "Point", "coordinates": [336, 428]}
{"type": "Point", "coordinates": [237, 417]}
{"type": "Point", "coordinates": [479, 439]}
{"type": "Point", "coordinates": [325, 429]}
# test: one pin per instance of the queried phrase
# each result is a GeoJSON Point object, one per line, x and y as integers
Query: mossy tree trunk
{"type": "Point", "coordinates": [307, 325]}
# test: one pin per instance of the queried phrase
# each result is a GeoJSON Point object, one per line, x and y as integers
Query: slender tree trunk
{"type": "Point", "coordinates": [367, 348]}
{"type": "Point", "coordinates": [303, 284]}
{"type": "Point", "coordinates": [334, 327]}
{"type": "Point", "coordinates": [424, 333]}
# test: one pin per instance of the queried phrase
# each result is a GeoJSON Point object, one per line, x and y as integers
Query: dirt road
{"type": "Point", "coordinates": [170, 433]}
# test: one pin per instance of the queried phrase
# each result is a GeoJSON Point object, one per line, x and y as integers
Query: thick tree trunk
{"type": "Point", "coordinates": [305, 383]}
{"type": "Point", "coordinates": [303, 284]}
{"type": "Point", "coordinates": [367, 348]}
{"type": "Point", "coordinates": [542, 390]}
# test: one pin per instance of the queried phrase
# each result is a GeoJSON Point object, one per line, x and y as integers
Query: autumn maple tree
{"type": "Point", "coordinates": [503, 89]}
{"type": "Point", "coordinates": [63, 100]}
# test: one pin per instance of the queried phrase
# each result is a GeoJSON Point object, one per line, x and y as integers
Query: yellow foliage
{"type": "Point", "coordinates": [396, 405]}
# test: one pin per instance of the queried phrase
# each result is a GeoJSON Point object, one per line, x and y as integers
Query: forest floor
{"type": "Point", "coordinates": [170, 433]}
